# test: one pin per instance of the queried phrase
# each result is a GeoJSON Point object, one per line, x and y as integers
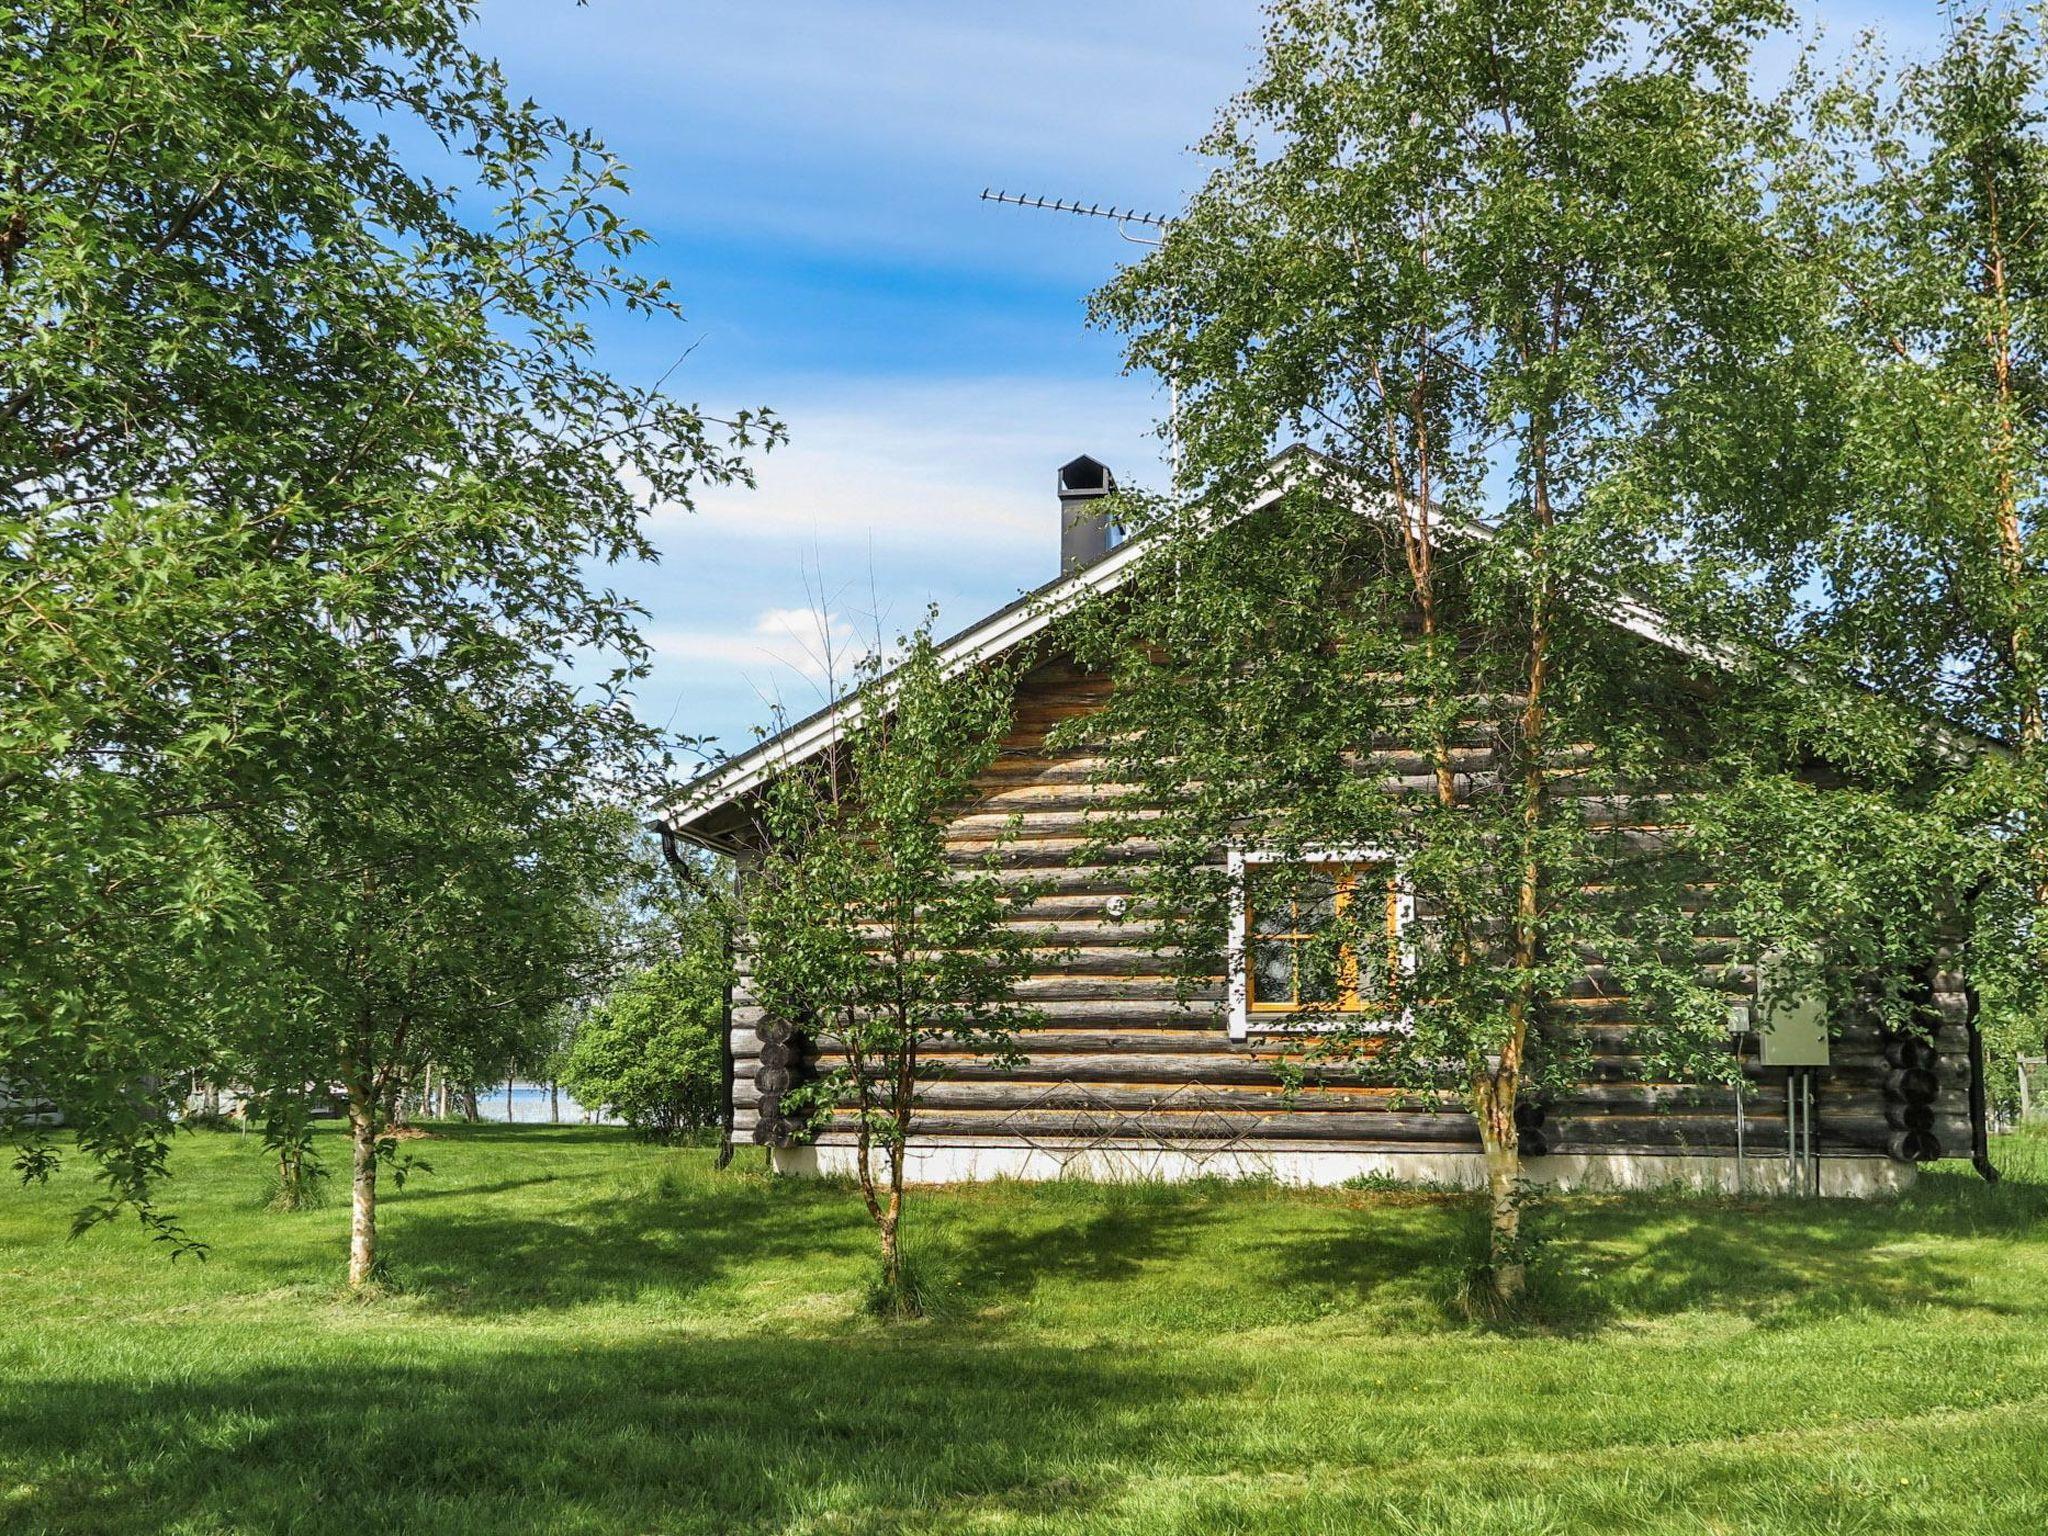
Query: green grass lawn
{"type": "Point", "coordinates": [587, 1334]}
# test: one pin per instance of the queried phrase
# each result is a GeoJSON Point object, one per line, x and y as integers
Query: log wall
{"type": "Point", "coordinates": [1117, 1055]}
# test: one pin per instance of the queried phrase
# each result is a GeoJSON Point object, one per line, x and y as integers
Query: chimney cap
{"type": "Point", "coordinates": [1085, 477]}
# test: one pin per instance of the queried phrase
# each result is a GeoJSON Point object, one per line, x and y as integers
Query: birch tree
{"type": "Point", "coordinates": [1916, 206]}
{"type": "Point", "coordinates": [441, 926]}
{"type": "Point", "coordinates": [867, 933]}
{"type": "Point", "coordinates": [1463, 252]}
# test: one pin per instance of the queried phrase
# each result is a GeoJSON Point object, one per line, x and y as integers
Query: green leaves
{"type": "Point", "coordinates": [306, 460]}
{"type": "Point", "coordinates": [1477, 258]}
{"type": "Point", "coordinates": [1909, 210]}
{"type": "Point", "coordinates": [649, 1052]}
{"type": "Point", "coordinates": [864, 925]}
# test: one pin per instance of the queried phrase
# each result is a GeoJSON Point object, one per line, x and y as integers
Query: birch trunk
{"type": "Point", "coordinates": [2018, 639]}
{"type": "Point", "coordinates": [892, 1216]}
{"type": "Point", "coordinates": [892, 1253]}
{"type": "Point", "coordinates": [1495, 1102]}
{"type": "Point", "coordinates": [362, 1239]}
{"type": "Point", "coordinates": [1494, 1106]}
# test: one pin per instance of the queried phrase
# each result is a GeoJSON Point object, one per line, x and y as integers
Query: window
{"type": "Point", "coordinates": [1294, 935]}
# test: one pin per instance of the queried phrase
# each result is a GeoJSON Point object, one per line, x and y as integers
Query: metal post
{"type": "Point", "coordinates": [1812, 1142]}
{"type": "Point", "coordinates": [1792, 1131]}
{"type": "Point", "coordinates": [1740, 1165]}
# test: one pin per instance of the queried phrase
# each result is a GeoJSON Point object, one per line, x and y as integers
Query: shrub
{"type": "Point", "coordinates": [649, 1052]}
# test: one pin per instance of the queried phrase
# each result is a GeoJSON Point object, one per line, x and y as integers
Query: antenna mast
{"type": "Point", "coordinates": [1125, 219]}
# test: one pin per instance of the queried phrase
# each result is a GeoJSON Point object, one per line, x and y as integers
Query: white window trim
{"type": "Point", "coordinates": [1241, 861]}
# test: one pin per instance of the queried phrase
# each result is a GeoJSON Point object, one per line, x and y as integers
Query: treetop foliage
{"type": "Point", "coordinates": [310, 459]}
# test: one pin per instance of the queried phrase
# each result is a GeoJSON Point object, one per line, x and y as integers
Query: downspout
{"type": "Point", "coordinates": [687, 874]}
{"type": "Point", "coordinates": [1980, 1128]}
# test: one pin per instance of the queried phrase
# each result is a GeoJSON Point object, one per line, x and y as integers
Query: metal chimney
{"type": "Point", "coordinates": [1086, 533]}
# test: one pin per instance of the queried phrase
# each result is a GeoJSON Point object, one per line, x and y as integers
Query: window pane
{"type": "Point", "coordinates": [1317, 964]}
{"type": "Point", "coordinates": [1315, 902]}
{"type": "Point", "coordinates": [1272, 972]}
{"type": "Point", "coordinates": [1267, 890]}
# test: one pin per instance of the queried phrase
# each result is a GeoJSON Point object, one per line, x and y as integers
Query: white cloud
{"type": "Point", "coordinates": [1099, 97]}
{"type": "Point", "coordinates": [966, 461]}
{"type": "Point", "coordinates": [812, 643]}
{"type": "Point", "coordinates": [918, 494]}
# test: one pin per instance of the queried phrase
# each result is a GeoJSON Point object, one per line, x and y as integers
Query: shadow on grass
{"type": "Point", "coordinates": [687, 1228]}
{"type": "Point", "coordinates": [1602, 1260]}
{"type": "Point", "coordinates": [1605, 1259]}
{"type": "Point", "coordinates": [618, 1242]}
{"type": "Point", "coordinates": [1791, 1261]}
{"type": "Point", "coordinates": [697, 1435]}
{"type": "Point", "coordinates": [989, 1267]}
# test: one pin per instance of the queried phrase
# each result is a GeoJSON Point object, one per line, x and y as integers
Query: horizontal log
{"type": "Point", "coordinates": [1038, 825]}
{"type": "Point", "coordinates": [1203, 1125]}
{"type": "Point", "coordinates": [1087, 811]}
{"type": "Point", "coordinates": [1362, 1131]}
{"type": "Point", "coordinates": [1030, 762]}
{"type": "Point", "coordinates": [1184, 1055]}
{"type": "Point", "coordinates": [1003, 1092]}
{"type": "Point", "coordinates": [1046, 928]}
{"type": "Point", "coordinates": [1089, 1013]}
{"type": "Point", "coordinates": [1127, 1088]}
{"type": "Point", "coordinates": [1024, 759]}
{"type": "Point", "coordinates": [1077, 879]}
{"type": "Point", "coordinates": [1094, 960]}
{"type": "Point", "coordinates": [1158, 988]}
{"type": "Point", "coordinates": [1873, 1132]}
{"type": "Point", "coordinates": [1027, 848]}
{"type": "Point", "coordinates": [1034, 797]}
{"type": "Point", "coordinates": [1950, 1073]}
{"type": "Point", "coordinates": [1130, 1002]}
{"type": "Point", "coordinates": [1032, 853]}
{"type": "Point", "coordinates": [1166, 1041]}
{"type": "Point", "coordinates": [1948, 1039]}
{"type": "Point", "coordinates": [1122, 1004]}
{"type": "Point", "coordinates": [1082, 905]}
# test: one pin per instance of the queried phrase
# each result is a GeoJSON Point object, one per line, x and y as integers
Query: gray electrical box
{"type": "Point", "coordinates": [1792, 1022]}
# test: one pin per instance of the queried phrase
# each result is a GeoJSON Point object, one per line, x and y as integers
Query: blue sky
{"type": "Point", "coordinates": [810, 172]}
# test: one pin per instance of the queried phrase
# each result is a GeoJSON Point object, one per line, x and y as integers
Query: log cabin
{"type": "Point", "coordinates": [1125, 1077]}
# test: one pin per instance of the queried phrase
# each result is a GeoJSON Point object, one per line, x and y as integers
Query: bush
{"type": "Point", "coordinates": [649, 1052]}
{"type": "Point", "coordinates": [2011, 1030]}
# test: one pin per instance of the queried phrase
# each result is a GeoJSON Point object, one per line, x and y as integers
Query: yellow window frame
{"type": "Point", "coordinates": [1346, 880]}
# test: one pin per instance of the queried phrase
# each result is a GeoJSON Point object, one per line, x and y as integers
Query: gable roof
{"type": "Point", "coordinates": [707, 810]}
{"type": "Point", "coordinates": [704, 812]}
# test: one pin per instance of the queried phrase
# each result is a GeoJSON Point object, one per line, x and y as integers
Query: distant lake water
{"type": "Point", "coordinates": [530, 1106]}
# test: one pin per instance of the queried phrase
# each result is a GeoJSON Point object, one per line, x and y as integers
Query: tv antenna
{"type": "Point", "coordinates": [1124, 219]}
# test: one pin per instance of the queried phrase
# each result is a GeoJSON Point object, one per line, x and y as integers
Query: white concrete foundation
{"type": "Point", "coordinates": [1853, 1177]}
